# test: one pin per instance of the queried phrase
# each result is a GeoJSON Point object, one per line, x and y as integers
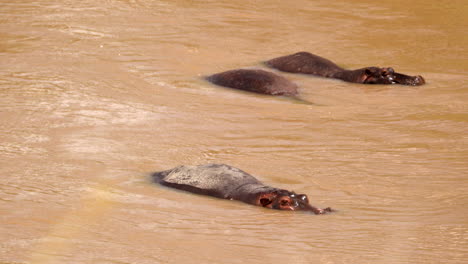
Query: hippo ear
{"type": "Point", "coordinates": [368, 72]}
{"type": "Point", "coordinates": [265, 201]}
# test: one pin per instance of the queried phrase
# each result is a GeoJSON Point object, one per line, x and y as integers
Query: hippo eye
{"type": "Point", "coordinates": [387, 72]}
{"type": "Point", "coordinates": [304, 198]}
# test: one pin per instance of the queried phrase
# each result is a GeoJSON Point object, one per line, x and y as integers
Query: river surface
{"type": "Point", "coordinates": [96, 95]}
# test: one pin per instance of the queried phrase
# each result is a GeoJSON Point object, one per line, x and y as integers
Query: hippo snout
{"type": "Point", "coordinates": [419, 80]}
{"type": "Point", "coordinates": [323, 211]}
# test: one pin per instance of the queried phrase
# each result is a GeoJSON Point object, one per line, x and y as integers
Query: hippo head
{"type": "Point", "coordinates": [408, 80]}
{"type": "Point", "coordinates": [286, 200]}
{"type": "Point", "coordinates": [375, 75]}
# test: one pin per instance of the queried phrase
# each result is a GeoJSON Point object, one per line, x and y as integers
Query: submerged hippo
{"type": "Point", "coordinates": [305, 62]}
{"type": "Point", "coordinates": [258, 81]}
{"type": "Point", "coordinates": [224, 181]}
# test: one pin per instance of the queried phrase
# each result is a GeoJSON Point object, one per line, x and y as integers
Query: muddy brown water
{"type": "Point", "coordinates": [95, 95]}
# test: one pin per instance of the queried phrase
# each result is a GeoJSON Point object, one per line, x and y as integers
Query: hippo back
{"type": "Point", "coordinates": [305, 62]}
{"type": "Point", "coordinates": [257, 81]}
{"type": "Point", "coordinates": [217, 180]}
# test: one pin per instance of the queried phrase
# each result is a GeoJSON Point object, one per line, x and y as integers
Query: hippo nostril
{"type": "Point", "coordinates": [420, 80]}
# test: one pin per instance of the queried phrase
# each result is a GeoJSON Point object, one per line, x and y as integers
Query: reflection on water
{"type": "Point", "coordinates": [95, 96]}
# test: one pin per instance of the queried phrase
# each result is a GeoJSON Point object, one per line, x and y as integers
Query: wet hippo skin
{"type": "Point", "coordinates": [307, 63]}
{"type": "Point", "coordinates": [226, 182]}
{"type": "Point", "coordinates": [253, 80]}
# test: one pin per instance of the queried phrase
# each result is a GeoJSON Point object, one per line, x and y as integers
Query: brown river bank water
{"type": "Point", "coordinates": [96, 95]}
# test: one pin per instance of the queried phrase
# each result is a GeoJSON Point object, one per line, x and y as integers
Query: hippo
{"type": "Point", "coordinates": [255, 80]}
{"type": "Point", "coordinates": [227, 182]}
{"type": "Point", "coordinates": [305, 62]}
